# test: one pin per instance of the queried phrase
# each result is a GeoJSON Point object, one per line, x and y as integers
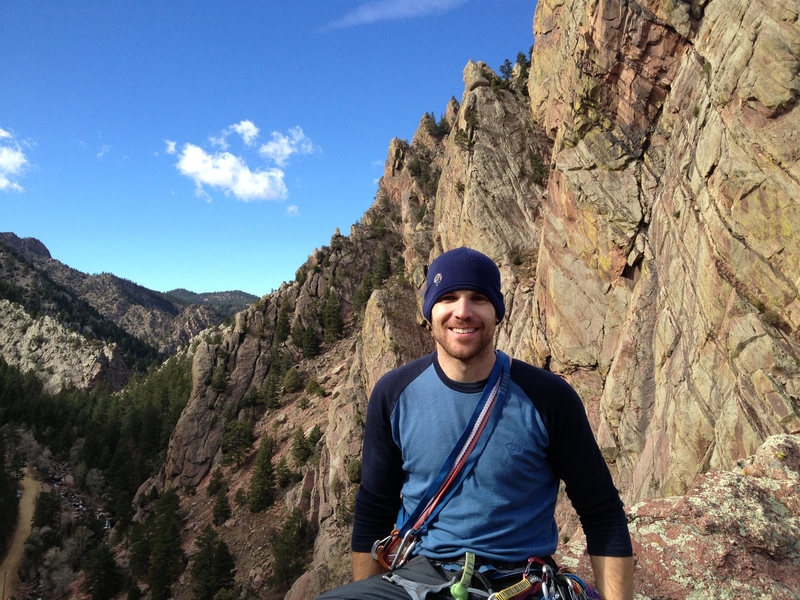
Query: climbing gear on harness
{"type": "Point", "coordinates": [521, 589]}
{"type": "Point", "coordinates": [395, 549]}
{"type": "Point", "coordinates": [550, 585]}
{"type": "Point", "coordinates": [459, 590]}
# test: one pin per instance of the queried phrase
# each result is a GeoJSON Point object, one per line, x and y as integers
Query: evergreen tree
{"type": "Point", "coordinates": [301, 449]}
{"type": "Point", "coordinates": [217, 483]}
{"type": "Point", "coordinates": [332, 316]}
{"type": "Point", "coordinates": [236, 441]}
{"type": "Point", "coordinates": [282, 323]}
{"type": "Point", "coordinates": [9, 506]}
{"type": "Point", "coordinates": [262, 485]}
{"type": "Point", "coordinates": [166, 556]}
{"type": "Point", "coordinates": [139, 539]}
{"type": "Point", "coordinates": [310, 343]}
{"type": "Point", "coordinates": [298, 333]}
{"type": "Point", "coordinates": [283, 473]}
{"type": "Point", "coordinates": [314, 436]}
{"type": "Point", "coordinates": [362, 294]}
{"type": "Point", "coordinates": [289, 549]}
{"type": "Point", "coordinates": [103, 577]}
{"type": "Point", "coordinates": [270, 392]}
{"type": "Point", "coordinates": [293, 381]}
{"type": "Point", "coordinates": [383, 269]}
{"type": "Point", "coordinates": [506, 70]}
{"type": "Point", "coordinates": [222, 508]}
{"type": "Point", "coordinates": [213, 566]}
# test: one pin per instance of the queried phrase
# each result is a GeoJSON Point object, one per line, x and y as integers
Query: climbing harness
{"type": "Point", "coordinates": [549, 584]}
{"type": "Point", "coordinates": [395, 549]}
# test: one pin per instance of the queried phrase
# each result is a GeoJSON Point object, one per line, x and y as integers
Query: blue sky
{"type": "Point", "coordinates": [213, 145]}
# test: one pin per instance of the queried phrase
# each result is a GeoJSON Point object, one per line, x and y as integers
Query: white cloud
{"type": "Point", "coordinates": [247, 130]}
{"type": "Point", "coordinates": [390, 10]}
{"type": "Point", "coordinates": [13, 162]}
{"type": "Point", "coordinates": [231, 174]}
{"type": "Point", "coordinates": [281, 146]}
{"type": "Point", "coordinates": [103, 151]}
{"type": "Point", "coordinates": [293, 210]}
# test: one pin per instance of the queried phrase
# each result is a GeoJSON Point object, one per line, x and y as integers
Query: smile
{"type": "Point", "coordinates": [462, 330]}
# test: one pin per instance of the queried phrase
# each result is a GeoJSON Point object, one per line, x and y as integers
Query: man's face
{"type": "Point", "coordinates": [463, 324]}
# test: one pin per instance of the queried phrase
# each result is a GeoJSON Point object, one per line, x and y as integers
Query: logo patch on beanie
{"type": "Point", "coordinates": [438, 279]}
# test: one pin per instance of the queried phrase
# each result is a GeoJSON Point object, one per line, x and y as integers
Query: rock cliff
{"type": "Point", "coordinates": [77, 329]}
{"type": "Point", "coordinates": [638, 191]}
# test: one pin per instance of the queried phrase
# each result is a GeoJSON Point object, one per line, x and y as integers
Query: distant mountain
{"type": "Point", "coordinates": [226, 303]}
{"type": "Point", "coordinates": [135, 325]}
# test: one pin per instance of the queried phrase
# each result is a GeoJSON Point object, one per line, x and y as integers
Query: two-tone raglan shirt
{"type": "Point", "coordinates": [504, 509]}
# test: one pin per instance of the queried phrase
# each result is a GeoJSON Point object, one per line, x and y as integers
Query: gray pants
{"type": "Point", "coordinates": [419, 579]}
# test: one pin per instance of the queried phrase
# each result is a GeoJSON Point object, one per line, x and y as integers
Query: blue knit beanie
{"type": "Point", "coordinates": [463, 269]}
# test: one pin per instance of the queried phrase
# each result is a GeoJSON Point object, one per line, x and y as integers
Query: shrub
{"type": "Point", "coordinates": [313, 387]}
{"type": "Point", "coordinates": [354, 471]}
{"type": "Point", "coordinates": [217, 483]}
{"type": "Point", "coordinates": [293, 381]}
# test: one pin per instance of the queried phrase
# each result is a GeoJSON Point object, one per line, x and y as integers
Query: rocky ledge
{"type": "Point", "coordinates": [735, 534]}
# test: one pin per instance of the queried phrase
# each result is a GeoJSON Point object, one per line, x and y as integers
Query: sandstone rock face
{"type": "Point", "coordinates": [59, 357]}
{"type": "Point", "coordinates": [669, 248]}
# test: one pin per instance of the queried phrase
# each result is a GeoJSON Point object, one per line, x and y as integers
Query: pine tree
{"type": "Point", "coordinates": [166, 556]}
{"type": "Point", "coordinates": [270, 391]}
{"type": "Point", "coordinates": [103, 577]}
{"type": "Point", "coordinates": [217, 483]}
{"type": "Point", "coordinates": [282, 323]}
{"type": "Point", "coordinates": [293, 381]}
{"type": "Point", "coordinates": [301, 449]}
{"type": "Point", "coordinates": [332, 316]}
{"type": "Point", "coordinates": [310, 343]}
{"type": "Point", "coordinates": [9, 507]}
{"type": "Point", "coordinates": [283, 473]}
{"type": "Point", "coordinates": [506, 69]}
{"type": "Point", "coordinates": [289, 548]}
{"type": "Point", "coordinates": [222, 508]}
{"type": "Point", "coordinates": [213, 566]}
{"type": "Point", "coordinates": [262, 485]}
{"type": "Point", "coordinates": [383, 269]}
{"type": "Point", "coordinates": [236, 441]}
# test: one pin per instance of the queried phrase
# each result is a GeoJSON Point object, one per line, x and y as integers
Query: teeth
{"type": "Point", "coordinates": [458, 330]}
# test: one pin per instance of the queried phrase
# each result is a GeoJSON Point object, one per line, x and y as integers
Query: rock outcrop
{"type": "Point", "coordinates": [59, 357]}
{"type": "Point", "coordinates": [734, 534]}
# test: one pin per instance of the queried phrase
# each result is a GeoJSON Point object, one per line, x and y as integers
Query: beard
{"type": "Point", "coordinates": [465, 352]}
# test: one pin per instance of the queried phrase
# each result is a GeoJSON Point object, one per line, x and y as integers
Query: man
{"type": "Point", "coordinates": [502, 511]}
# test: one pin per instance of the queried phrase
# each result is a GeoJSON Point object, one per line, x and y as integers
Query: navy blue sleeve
{"type": "Point", "coordinates": [576, 459]}
{"type": "Point", "coordinates": [378, 497]}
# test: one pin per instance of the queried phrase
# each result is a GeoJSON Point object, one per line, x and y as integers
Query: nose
{"type": "Point", "coordinates": [463, 308]}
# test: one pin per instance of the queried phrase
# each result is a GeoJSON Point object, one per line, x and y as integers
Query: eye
{"type": "Point", "coordinates": [479, 298]}
{"type": "Point", "coordinates": [448, 298]}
